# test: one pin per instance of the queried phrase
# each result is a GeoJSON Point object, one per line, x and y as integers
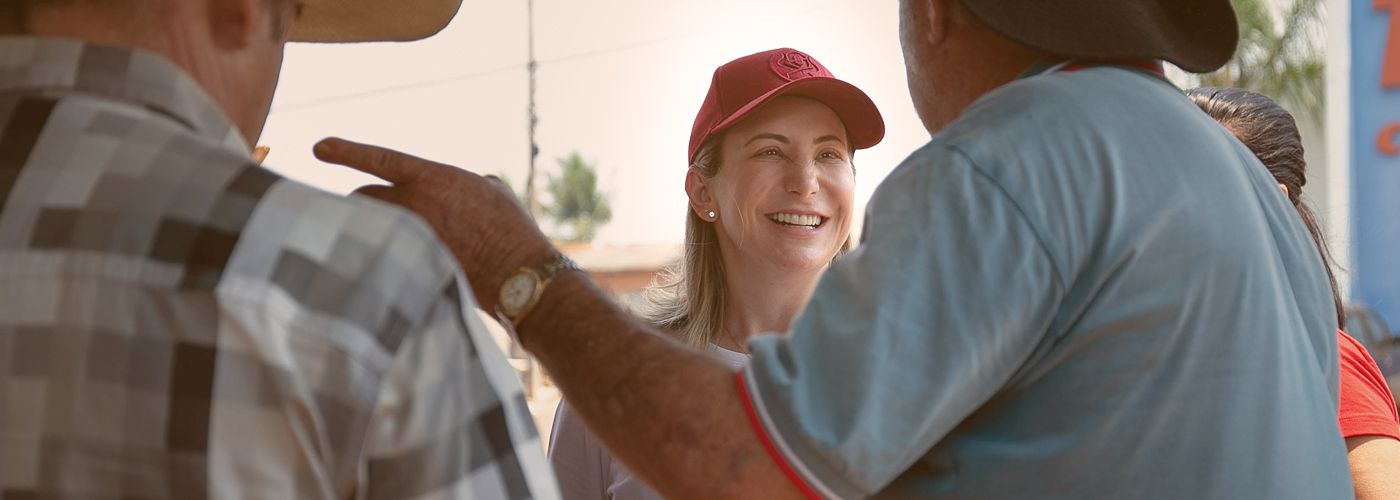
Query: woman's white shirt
{"type": "Point", "coordinates": [585, 470]}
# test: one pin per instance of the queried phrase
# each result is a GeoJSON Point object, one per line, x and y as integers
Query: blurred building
{"type": "Point", "coordinates": [1362, 174]}
{"type": "Point", "coordinates": [624, 271]}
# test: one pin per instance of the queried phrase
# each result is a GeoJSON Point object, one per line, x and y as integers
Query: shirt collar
{"type": "Point", "coordinates": [61, 65]}
{"type": "Point", "coordinates": [1044, 66]}
{"type": "Point", "coordinates": [1150, 66]}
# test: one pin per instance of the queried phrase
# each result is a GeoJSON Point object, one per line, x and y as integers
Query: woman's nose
{"type": "Point", "coordinates": [802, 178]}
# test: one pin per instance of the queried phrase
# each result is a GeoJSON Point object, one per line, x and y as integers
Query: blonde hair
{"type": "Point", "coordinates": [687, 298]}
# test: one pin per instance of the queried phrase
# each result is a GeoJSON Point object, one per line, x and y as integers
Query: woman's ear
{"type": "Point", "coordinates": [1286, 194]}
{"type": "Point", "coordinates": [702, 200]}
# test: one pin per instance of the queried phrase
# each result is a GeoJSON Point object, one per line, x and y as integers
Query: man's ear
{"type": "Point", "coordinates": [945, 14]}
{"type": "Point", "coordinates": [234, 23]}
{"type": "Point", "coordinates": [697, 188]}
{"type": "Point", "coordinates": [1285, 190]}
{"type": "Point", "coordinates": [929, 19]}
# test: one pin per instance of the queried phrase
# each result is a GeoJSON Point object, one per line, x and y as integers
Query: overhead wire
{"type": "Point", "coordinates": [369, 93]}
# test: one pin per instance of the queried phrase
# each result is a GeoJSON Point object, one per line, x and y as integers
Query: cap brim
{"type": "Point", "coordinates": [864, 125]}
{"type": "Point", "coordinates": [372, 20]}
{"type": "Point", "coordinates": [1199, 36]}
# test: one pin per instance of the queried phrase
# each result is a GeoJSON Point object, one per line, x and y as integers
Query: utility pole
{"type": "Point", "coordinates": [531, 204]}
{"type": "Point", "coordinates": [529, 373]}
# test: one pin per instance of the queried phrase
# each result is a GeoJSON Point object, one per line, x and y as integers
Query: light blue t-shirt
{"type": "Point", "coordinates": [1082, 288]}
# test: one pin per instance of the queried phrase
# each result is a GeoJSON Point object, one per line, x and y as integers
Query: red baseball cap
{"type": "Point", "coordinates": [742, 85]}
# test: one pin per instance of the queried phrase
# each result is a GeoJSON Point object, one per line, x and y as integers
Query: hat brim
{"type": "Point", "coordinates": [864, 125]}
{"type": "Point", "coordinates": [372, 20]}
{"type": "Point", "coordinates": [1200, 36]}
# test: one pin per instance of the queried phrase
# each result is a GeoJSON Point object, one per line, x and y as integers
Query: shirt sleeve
{"type": "Point", "coordinates": [579, 463]}
{"type": "Point", "coordinates": [452, 421]}
{"type": "Point", "coordinates": [949, 293]}
{"type": "Point", "coordinates": [1367, 407]}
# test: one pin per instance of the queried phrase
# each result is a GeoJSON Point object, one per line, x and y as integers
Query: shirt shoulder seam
{"type": "Point", "coordinates": [1020, 211]}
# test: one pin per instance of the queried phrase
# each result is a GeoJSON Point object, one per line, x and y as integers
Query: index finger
{"type": "Point", "coordinates": [384, 163]}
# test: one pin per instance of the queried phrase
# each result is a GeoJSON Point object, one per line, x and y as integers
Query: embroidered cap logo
{"type": "Point", "coordinates": [794, 65]}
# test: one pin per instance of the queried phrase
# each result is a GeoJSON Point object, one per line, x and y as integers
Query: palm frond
{"type": "Point", "coordinates": [1279, 54]}
{"type": "Point", "coordinates": [575, 200]}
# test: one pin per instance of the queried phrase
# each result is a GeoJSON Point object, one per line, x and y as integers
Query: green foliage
{"type": "Point", "coordinates": [1280, 54]}
{"type": "Point", "coordinates": [575, 200]}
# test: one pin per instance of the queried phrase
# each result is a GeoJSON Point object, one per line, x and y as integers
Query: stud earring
{"type": "Point", "coordinates": [710, 215]}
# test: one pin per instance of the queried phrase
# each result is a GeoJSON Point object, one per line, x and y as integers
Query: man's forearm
{"type": "Point", "coordinates": [671, 414]}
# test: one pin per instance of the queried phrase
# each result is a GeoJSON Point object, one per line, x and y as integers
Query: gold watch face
{"type": "Point", "coordinates": [518, 290]}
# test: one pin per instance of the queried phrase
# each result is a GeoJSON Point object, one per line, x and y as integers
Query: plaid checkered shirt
{"type": "Point", "coordinates": [178, 322]}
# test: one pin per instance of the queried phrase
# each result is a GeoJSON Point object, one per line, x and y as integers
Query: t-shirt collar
{"type": "Point", "coordinates": [1052, 65]}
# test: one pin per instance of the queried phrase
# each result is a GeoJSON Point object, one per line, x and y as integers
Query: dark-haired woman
{"type": "Point", "coordinates": [1367, 413]}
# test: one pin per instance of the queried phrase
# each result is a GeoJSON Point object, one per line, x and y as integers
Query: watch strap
{"type": "Point", "coordinates": [556, 266]}
{"type": "Point", "coordinates": [547, 273]}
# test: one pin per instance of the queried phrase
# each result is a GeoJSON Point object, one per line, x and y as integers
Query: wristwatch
{"type": "Point", "coordinates": [522, 290]}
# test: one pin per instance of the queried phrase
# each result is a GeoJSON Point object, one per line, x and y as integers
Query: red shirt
{"type": "Point", "coordinates": [1367, 408]}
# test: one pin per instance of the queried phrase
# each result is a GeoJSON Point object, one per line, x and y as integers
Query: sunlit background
{"type": "Point", "coordinates": [619, 82]}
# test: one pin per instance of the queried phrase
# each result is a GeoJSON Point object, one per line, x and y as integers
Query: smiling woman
{"type": "Point", "coordinates": [756, 107]}
{"type": "Point", "coordinates": [783, 203]}
{"type": "Point", "coordinates": [771, 187]}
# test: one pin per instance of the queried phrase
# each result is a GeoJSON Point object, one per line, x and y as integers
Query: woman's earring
{"type": "Point", "coordinates": [710, 215]}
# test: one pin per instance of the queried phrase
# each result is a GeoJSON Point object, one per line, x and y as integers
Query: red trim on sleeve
{"type": "Point", "coordinates": [762, 433]}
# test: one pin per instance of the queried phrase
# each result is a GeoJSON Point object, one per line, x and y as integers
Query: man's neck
{"type": "Point", "coordinates": [988, 61]}
{"type": "Point", "coordinates": [176, 32]}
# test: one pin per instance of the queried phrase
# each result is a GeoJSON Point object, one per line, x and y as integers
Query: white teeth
{"type": "Point", "coordinates": [796, 220]}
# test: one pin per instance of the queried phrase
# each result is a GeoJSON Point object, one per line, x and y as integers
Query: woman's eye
{"type": "Point", "coordinates": [769, 152]}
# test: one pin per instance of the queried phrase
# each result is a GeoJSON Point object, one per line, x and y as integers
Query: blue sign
{"type": "Point", "coordinates": [1375, 155]}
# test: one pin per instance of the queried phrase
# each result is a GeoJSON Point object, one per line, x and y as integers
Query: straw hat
{"type": "Point", "coordinates": [372, 20]}
{"type": "Point", "coordinates": [1197, 35]}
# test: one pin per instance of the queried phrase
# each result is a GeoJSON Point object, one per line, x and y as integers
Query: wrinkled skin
{"type": "Point", "coordinates": [477, 217]}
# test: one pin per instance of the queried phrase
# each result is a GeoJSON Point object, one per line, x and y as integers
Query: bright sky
{"type": "Point", "coordinates": [619, 81]}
